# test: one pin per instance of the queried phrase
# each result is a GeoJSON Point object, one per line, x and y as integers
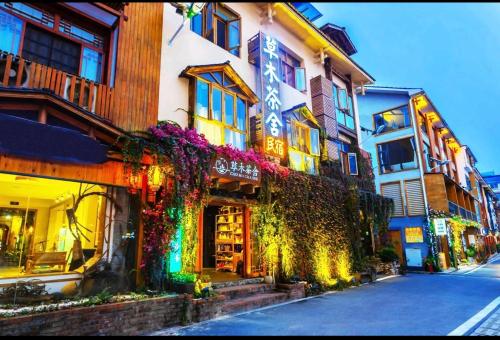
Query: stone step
{"type": "Point", "coordinates": [242, 282]}
{"type": "Point", "coordinates": [253, 302]}
{"type": "Point", "coordinates": [236, 292]}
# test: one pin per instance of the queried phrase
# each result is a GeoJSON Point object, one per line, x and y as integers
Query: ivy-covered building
{"type": "Point", "coordinates": [257, 154]}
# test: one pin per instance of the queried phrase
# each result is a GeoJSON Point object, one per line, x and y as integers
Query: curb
{"type": "Point", "coordinates": [175, 329]}
{"type": "Point", "coordinates": [477, 319]}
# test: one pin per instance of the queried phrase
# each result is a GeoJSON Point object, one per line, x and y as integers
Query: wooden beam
{"type": "Point", "coordinates": [231, 186]}
{"type": "Point", "coordinates": [248, 188]}
{"type": "Point", "coordinates": [215, 183]}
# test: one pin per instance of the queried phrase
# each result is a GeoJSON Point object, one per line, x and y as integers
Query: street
{"type": "Point", "coordinates": [415, 304]}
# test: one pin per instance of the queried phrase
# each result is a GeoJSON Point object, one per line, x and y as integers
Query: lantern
{"type": "Point", "coordinates": [155, 180]}
{"type": "Point", "coordinates": [134, 181]}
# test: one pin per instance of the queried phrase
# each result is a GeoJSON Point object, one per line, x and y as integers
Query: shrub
{"type": "Point", "coordinates": [471, 251]}
{"type": "Point", "coordinates": [388, 254]}
{"type": "Point", "coordinates": [183, 277]}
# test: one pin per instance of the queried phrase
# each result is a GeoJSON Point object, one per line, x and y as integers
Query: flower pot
{"type": "Point", "coordinates": [268, 279]}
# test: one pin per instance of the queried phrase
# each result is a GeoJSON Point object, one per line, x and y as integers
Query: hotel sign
{"type": "Point", "coordinates": [224, 167]}
{"type": "Point", "coordinates": [272, 121]}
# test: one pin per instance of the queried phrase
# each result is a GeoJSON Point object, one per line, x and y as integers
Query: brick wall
{"type": "Point", "coordinates": [125, 318]}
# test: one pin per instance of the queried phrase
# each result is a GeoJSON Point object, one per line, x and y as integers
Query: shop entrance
{"type": "Point", "coordinates": [224, 230]}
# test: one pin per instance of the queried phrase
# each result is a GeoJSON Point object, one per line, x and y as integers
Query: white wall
{"type": "Point", "coordinates": [191, 49]}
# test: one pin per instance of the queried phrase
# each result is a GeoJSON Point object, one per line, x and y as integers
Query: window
{"type": "Point", "coordinates": [353, 163]}
{"type": "Point", "coordinates": [391, 120]}
{"type": "Point", "coordinates": [52, 39]}
{"type": "Point", "coordinates": [303, 148]}
{"type": "Point", "coordinates": [344, 107]}
{"type": "Point", "coordinates": [220, 25]}
{"type": "Point", "coordinates": [393, 191]}
{"type": "Point", "coordinates": [397, 155]}
{"type": "Point", "coordinates": [38, 229]}
{"type": "Point", "coordinates": [291, 71]}
{"type": "Point", "coordinates": [220, 113]}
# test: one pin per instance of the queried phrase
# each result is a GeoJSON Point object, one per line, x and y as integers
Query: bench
{"type": "Point", "coordinates": [56, 258]}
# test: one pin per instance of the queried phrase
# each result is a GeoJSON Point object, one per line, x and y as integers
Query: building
{"type": "Point", "coordinates": [73, 78]}
{"type": "Point", "coordinates": [419, 162]}
{"type": "Point", "coordinates": [265, 78]}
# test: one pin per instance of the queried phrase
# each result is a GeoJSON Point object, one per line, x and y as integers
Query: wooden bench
{"type": "Point", "coordinates": [56, 258]}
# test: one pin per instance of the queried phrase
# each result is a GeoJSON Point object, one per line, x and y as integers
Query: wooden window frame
{"type": "Point", "coordinates": [108, 35]}
{"type": "Point", "coordinates": [205, 33]}
{"type": "Point", "coordinates": [345, 111]}
{"type": "Point", "coordinates": [222, 123]}
{"type": "Point", "coordinates": [284, 54]}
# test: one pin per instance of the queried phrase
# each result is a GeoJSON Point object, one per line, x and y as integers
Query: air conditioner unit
{"type": "Point", "coordinates": [14, 69]}
{"type": "Point", "coordinates": [77, 94]}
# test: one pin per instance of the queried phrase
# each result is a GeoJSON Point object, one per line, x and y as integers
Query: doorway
{"type": "Point", "coordinates": [223, 242]}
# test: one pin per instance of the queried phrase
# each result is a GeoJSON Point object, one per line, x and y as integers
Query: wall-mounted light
{"type": "Point", "coordinates": [155, 180]}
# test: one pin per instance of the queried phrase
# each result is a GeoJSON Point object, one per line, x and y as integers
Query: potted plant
{"type": "Point", "coordinates": [429, 262]}
{"type": "Point", "coordinates": [471, 253]}
{"type": "Point", "coordinates": [389, 256]}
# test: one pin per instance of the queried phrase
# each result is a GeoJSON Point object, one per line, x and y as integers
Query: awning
{"type": "Point", "coordinates": [28, 139]}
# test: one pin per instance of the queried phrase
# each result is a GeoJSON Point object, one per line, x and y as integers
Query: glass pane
{"type": "Point", "coordinates": [314, 141]}
{"type": "Point", "coordinates": [241, 113]}
{"type": "Point", "coordinates": [91, 65]}
{"type": "Point", "coordinates": [309, 164]}
{"type": "Point", "coordinates": [29, 12]}
{"type": "Point", "coordinates": [349, 122]}
{"type": "Point", "coordinates": [229, 109]}
{"type": "Point", "coordinates": [397, 155]}
{"type": "Point", "coordinates": [221, 33]}
{"type": "Point", "coordinates": [201, 108]}
{"type": "Point", "coordinates": [217, 104]}
{"type": "Point", "coordinates": [234, 33]}
{"type": "Point", "coordinates": [218, 76]}
{"type": "Point", "coordinates": [340, 117]}
{"type": "Point", "coordinates": [209, 30]}
{"type": "Point", "coordinates": [296, 160]}
{"type": "Point", "coordinates": [335, 96]}
{"type": "Point", "coordinates": [197, 24]}
{"type": "Point", "coordinates": [35, 236]}
{"type": "Point", "coordinates": [342, 98]}
{"type": "Point", "coordinates": [238, 140]}
{"type": "Point", "coordinates": [353, 164]}
{"type": "Point", "coordinates": [300, 79]}
{"type": "Point", "coordinates": [392, 120]}
{"type": "Point", "coordinates": [10, 31]}
{"type": "Point", "coordinates": [351, 106]}
{"type": "Point", "coordinates": [211, 131]}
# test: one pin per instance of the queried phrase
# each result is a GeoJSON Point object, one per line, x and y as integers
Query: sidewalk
{"type": "Point", "coordinates": [465, 268]}
{"type": "Point", "coordinates": [490, 326]}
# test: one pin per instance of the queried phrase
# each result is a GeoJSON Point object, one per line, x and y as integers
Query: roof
{"type": "Point", "coordinates": [194, 70]}
{"type": "Point", "coordinates": [340, 36]}
{"type": "Point", "coordinates": [304, 110]}
{"type": "Point", "coordinates": [308, 10]}
{"type": "Point", "coordinates": [316, 39]}
{"type": "Point", "coordinates": [410, 91]}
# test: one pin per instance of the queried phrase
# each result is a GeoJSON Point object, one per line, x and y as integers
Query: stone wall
{"type": "Point", "coordinates": [124, 318]}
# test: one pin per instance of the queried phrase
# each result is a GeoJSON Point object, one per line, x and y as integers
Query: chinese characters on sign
{"type": "Point", "coordinates": [223, 167]}
{"type": "Point", "coordinates": [414, 235]}
{"type": "Point", "coordinates": [440, 226]}
{"type": "Point", "coordinates": [271, 112]}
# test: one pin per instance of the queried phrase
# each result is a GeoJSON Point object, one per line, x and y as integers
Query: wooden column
{"type": "Point", "coordinates": [199, 257]}
{"type": "Point", "coordinates": [247, 262]}
{"type": "Point", "coordinates": [140, 234]}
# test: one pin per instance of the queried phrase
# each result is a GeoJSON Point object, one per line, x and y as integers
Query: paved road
{"type": "Point", "coordinates": [415, 304]}
{"type": "Point", "coordinates": [491, 269]}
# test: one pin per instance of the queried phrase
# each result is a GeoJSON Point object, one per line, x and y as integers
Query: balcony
{"type": "Point", "coordinates": [19, 73]}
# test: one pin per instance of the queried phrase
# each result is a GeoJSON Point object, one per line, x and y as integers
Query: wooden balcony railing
{"type": "Point", "coordinates": [17, 72]}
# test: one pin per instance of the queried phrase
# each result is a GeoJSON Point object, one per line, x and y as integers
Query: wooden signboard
{"type": "Point", "coordinates": [414, 235]}
{"type": "Point", "coordinates": [226, 168]}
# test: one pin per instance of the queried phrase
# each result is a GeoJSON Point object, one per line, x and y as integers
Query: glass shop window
{"type": "Point", "coordinates": [391, 120]}
{"type": "Point", "coordinates": [40, 225]}
{"type": "Point", "coordinates": [220, 25]}
{"type": "Point", "coordinates": [220, 113]}
{"type": "Point", "coordinates": [304, 147]}
{"type": "Point", "coordinates": [397, 155]}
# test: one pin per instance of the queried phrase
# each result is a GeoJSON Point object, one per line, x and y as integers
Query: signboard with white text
{"type": "Point", "coordinates": [244, 171]}
{"type": "Point", "coordinates": [272, 121]}
{"type": "Point", "coordinates": [440, 226]}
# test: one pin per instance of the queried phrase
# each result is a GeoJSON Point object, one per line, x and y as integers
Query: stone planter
{"type": "Point", "coordinates": [206, 308]}
{"type": "Point", "coordinates": [183, 288]}
{"type": "Point", "coordinates": [268, 279]}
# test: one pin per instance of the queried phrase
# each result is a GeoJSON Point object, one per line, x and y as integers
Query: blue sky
{"type": "Point", "coordinates": [451, 50]}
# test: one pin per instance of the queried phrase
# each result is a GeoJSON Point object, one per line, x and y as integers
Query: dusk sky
{"type": "Point", "coordinates": [451, 50]}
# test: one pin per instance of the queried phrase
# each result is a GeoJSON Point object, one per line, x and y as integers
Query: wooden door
{"type": "Point", "coordinates": [395, 238]}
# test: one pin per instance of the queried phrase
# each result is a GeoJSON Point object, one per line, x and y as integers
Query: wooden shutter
{"type": "Point", "coordinates": [393, 190]}
{"type": "Point", "coordinates": [414, 197]}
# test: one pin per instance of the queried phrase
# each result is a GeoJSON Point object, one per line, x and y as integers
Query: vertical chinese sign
{"type": "Point", "coordinates": [272, 121]}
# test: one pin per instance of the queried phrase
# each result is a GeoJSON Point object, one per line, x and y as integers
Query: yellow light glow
{"type": "Point", "coordinates": [343, 265]}
{"type": "Point", "coordinates": [155, 177]}
{"type": "Point", "coordinates": [212, 130]}
{"type": "Point", "coordinates": [274, 146]}
{"type": "Point", "coordinates": [421, 102]}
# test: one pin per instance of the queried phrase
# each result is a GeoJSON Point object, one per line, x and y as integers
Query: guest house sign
{"type": "Point", "coordinates": [272, 121]}
{"type": "Point", "coordinates": [224, 167]}
{"type": "Point", "coordinates": [440, 226]}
